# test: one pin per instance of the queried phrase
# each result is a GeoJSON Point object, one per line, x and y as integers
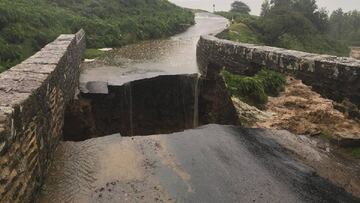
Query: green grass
{"type": "Point", "coordinates": [355, 152]}
{"type": "Point", "coordinates": [315, 44]}
{"type": "Point", "coordinates": [28, 25]}
{"type": "Point", "coordinates": [255, 90]}
{"type": "Point", "coordinates": [93, 53]}
{"type": "Point", "coordinates": [273, 82]}
{"type": "Point", "coordinates": [240, 32]}
{"type": "Point", "coordinates": [2, 69]}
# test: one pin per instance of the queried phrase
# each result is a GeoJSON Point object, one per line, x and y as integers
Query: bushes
{"type": "Point", "coordinates": [297, 25]}
{"type": "Point", "coordinates": [27, 25]}
{"type": "Point", "coordinates": [272, 82]}
{"type": "Point", "coordinates": [255, 90]}
{"type": "Point", "coordinates": [2, 68]}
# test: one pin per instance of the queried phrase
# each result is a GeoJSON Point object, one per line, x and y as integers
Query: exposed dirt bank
{"type": "Point", "coordinates": [313, 121]}
{"type": "Point", "coordinates": [303, 111]}
{"type": "Point", "coordinates": [355, 52]}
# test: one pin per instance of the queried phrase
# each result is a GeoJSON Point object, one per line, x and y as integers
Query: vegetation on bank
{"type": "Point", "coordinates": [256, 89]}
{"type": "Point", "coordinates": [93, 53]}
{"type": "Point", "coordinates": [27, 25]}
{"type": "Point", "coordinates": [296, 24]}
{"type": "Point", "coordinates": [355, 152]}
{"type": "Point", "coordinates": [240, 32]}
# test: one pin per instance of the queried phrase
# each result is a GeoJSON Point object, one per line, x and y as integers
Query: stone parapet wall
{"type": "Point", "coordinates": [33, 96]}
{"type": "Point", "coordinates": [331, 76]}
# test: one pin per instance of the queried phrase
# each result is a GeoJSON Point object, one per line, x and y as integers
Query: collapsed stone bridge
{"type": "Point", "coordinates": [37, 107]}
{"type": "Point", "coordinates": [34, 96]}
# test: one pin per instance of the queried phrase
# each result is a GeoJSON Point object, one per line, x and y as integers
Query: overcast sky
{"type": "Point", "coordinates": [255, 5]}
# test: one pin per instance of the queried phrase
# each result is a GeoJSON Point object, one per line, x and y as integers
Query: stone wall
{"type": "Point", "coordinates": [33, 96]}
{"type": "Point", "coordinates": [333, 77]}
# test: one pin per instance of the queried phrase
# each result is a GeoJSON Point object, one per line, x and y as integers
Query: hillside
{"type": "Point", "coordinates": [27, 25]}
{"type": "Point", "coordinates": [298, 25]}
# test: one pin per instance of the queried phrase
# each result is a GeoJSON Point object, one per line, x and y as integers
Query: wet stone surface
{"type": "Point", "coordinates": [33, 95]}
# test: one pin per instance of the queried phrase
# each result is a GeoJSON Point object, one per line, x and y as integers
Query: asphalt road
{"type": "Point", "coordinates": [213, 163]}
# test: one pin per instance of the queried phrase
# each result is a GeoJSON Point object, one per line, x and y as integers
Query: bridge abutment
{"type": "Point", "coordinates": [33, 97]}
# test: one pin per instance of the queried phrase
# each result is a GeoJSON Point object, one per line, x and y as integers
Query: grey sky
{"type": "Point", "coordinates": [255, 5]}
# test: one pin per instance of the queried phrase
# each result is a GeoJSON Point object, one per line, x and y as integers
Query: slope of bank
{"type": "Point", "coordinates": [251, 29]}
{"type": "Point", "coordinates": [26, 26]}
{"type": "Point", "coordinates": [312, 128]}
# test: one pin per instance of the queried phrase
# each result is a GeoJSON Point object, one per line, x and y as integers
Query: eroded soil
{"type": "Point", "coordinates": [313, 122]}
{"type": "Point", "coordinates": [303, 111]}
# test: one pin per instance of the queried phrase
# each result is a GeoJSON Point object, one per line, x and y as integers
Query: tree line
{"type": "Point", "coordinates": [300, 25]}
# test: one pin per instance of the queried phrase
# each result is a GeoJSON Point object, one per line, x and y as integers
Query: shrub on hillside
{"type": "Point", "coordinates": [255, 90]}
{"type": "Point", "coordinates": [272, 82]}
{"type": "Point", "coordinates": [248, 89]}
{"type": "Point", "coordinates": [2, 68]}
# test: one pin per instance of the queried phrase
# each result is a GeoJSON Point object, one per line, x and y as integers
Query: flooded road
{"type": "Point", "coordinates": [175, 55]}
{"type": "Point", "coordinates": [212, 163]}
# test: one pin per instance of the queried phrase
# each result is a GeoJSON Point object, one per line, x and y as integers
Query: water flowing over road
{"type": "Point", "coordinates": [176, 55]}
{"type": "Point", "coordinates": [212, 163]}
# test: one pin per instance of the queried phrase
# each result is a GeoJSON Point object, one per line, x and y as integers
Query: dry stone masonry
{"type": "Point", "coordinates": [334, 77]}
{"type": "Point", "coordinates": [33, 96]}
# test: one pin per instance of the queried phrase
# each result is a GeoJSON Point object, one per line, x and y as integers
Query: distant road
{"type": "Point", "coordinates": [175, 55]}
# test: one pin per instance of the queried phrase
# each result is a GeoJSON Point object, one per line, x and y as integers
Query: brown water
{"type": "Point", "coordinates": [172, 56]}
{"type": "Point", "coordinates": [209, 164]}
{"type": "Point", "coordinates": [355, 52]}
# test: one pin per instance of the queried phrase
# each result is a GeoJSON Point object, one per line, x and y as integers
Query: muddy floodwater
{"type": "Point", "coordinates": [211, 163]}
{"type": "Point", "coordinates": [175, 55]}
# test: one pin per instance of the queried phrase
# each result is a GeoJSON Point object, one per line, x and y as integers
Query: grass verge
{"type": "Point", "coordinates": [93, 53]}
{"type": "Point", "coordinates": [240, 32]}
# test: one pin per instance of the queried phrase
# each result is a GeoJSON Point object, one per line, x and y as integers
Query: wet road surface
{"type": "Point", "coordinates": [212, 163]}
{"type": "Point", "coordinates": [176, 55]}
